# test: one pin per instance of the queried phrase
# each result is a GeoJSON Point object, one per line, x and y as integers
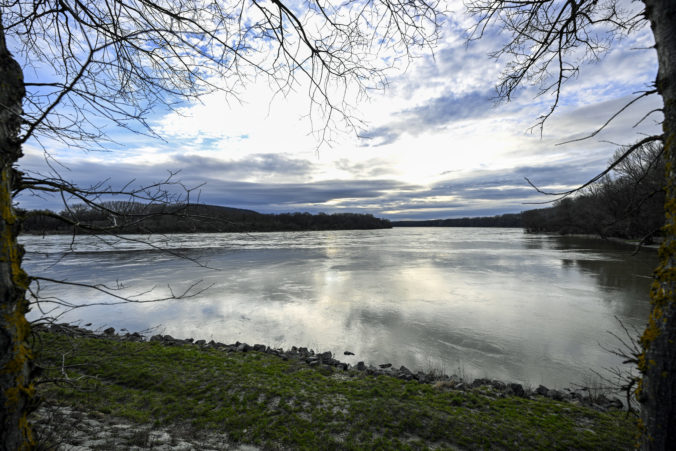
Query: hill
{"type": "Point", "coordinates": [127, 217]}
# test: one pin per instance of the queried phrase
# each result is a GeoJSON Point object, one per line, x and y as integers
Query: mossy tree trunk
{"type": "Point", "coordinates": [16, 390]}
{"type": "Point", "coordinates": [657, 391]}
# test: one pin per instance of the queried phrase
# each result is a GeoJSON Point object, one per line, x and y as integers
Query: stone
{"type": "Point", "coordinates": [385, 365]}
{"type": "Point", "coordinates": [542, 390]}
{"type": "Point", "coordinates": [348, 353]}
{"type": "Point", "coordinates": [201, 342]}
{"type": "Point", "coordinates": [499, 385]}
{"type": "Point", "coordinates": [555, 395]}
{"type": "Point", "coordinates": [422, 377]}
{"type": "Point", "coordinates": [407, 376]}
{"type": "Point", "coordinates": [481, 381]}
{"type": "Point", "coordinates": [517, 390]}
{"type": "Point", "coordinates": [109, 331]}
{"type": "Point", "coordinates": [259, 347]}
{"type": "Point", "coordinates": [360, 366]}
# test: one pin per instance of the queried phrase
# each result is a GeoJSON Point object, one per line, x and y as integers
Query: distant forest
{"type": "Point", "coordinates": [129, 217]}
{"type": "Point", "coordinates": [507, 220]}
{"type": "Point", "coordinates": [627, 203]}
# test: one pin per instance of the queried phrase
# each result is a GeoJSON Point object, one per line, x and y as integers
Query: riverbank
{"type": "Point", "coordinates": [186, 394]}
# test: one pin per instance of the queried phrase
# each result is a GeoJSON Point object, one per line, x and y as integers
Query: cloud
{"type": "Point", "coordinates": [374, 167]}
{"type": "Point", "coordinates": [262, 165]}
{"type": "Point", "coordinates": [434, 114]}
{"type": "Point", "coordinates": [221, 182]}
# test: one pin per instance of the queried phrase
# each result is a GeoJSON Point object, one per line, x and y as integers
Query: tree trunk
{"type": "Point", "coordinates": [16, 390]}
{"type": "Point", "coordinates": [657, 391]}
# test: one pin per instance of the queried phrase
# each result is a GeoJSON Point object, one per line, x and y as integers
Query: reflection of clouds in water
{"type": "Point", "coordinates": [496, 303]}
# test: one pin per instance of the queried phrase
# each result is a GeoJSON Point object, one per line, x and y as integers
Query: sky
{"type": "Point", "coordinates": [434, 144]}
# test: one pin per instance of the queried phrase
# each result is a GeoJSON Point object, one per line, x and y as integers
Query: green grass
{"type": "Point", "coordinates": [261, 399]}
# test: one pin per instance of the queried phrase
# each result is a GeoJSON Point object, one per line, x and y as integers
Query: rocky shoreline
{"type": "Point", "coordinates": [579, 395]}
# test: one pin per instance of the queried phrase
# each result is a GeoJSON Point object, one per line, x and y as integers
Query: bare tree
{"type": "Point", "coordinates": [549, 41]}
{"type": "Point", "coordinates": [89, 63]}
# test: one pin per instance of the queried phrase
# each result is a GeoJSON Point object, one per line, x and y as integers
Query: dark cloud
{"type": "Point", "coordinates": [434, 114]}
{"type": "Point", "coordinates": [269, 164]}
{"type": "Point", "coordinates": [276, 195]}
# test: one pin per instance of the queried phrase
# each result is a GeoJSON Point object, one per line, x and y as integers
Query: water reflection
{"type": "Point", "coordinates": [496, 303]}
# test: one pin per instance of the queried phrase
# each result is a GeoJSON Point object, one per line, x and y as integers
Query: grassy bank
{"type": "Point", "coordinates": [262, 399]}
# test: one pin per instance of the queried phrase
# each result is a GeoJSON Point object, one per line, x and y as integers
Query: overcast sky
{"type": "Point", "coordinates": [433, 145]}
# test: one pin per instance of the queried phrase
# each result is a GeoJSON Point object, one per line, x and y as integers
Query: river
{"type": "Point", "coordinates": [478, 302]}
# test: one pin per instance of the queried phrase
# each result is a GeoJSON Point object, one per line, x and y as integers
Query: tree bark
{"type": "Point", "coordinates": [16, 389]}
{"type": "Point", "coordinates": [657, 391]}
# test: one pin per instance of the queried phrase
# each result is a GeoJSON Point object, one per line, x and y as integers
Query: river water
{"type": "Point", "coordinates": [498, 303]}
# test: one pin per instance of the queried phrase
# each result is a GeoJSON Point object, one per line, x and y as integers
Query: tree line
{"type": "Point", "coordinates": [132, 217]}
{"type": "Point", "coordinates": [506, 220]}
{"type": "Point", "coordinates": [626, 203]}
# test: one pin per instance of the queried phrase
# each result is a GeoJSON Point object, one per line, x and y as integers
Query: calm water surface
{"type": "Point", "coordinates": [495, 303]}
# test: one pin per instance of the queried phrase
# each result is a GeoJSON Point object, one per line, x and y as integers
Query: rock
{"type": "Point", "coordinates": [348, 353]}
{"type": "Point", "coordinates": [156, 338]}
{"type": "Point", "coordinates": [517, 390]}
{"type": "Point", "coordinates": [385, 365]}
{"type": "Point", "coordinates": [109, 331]}
{"type": "Point", "coordinates": [259, 347]}
{"type": "Point", "coordinates": [405, 376]}
{"type": "Point", "coordinates": [134, 337]}
{"type": "Point", "coordinates": [422, 377]}
{"type": "Point", "coordinates": [481, 381]}
{"type": "Point", "coordinates": [542, 390]}
{"type": "Point", "coordinates": [360, 366]}
{"type": "Point", "coordinates": [325, 357]}
{"type": "Point", "coordinates": [243, 347]}
{"type": "Point", "coordinates": [499, 385]}
{"type": "Point", "coordinates": [555, 395]}
{"type": "Point", "coordinates": [201, 342]}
